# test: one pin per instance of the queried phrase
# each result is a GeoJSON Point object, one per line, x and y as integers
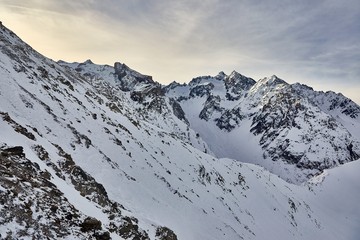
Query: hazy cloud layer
{"type": "Point", "coordinates": [314, 42]}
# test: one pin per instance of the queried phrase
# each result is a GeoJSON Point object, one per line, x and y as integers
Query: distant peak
{"type": "Point", "coordinates": [172, 85]}
{"type": "Point", "coordinates": [129, 78]}
{"type": "Point", "coordinates": [273, 80]}
{"type": "Point", "coordinates": [235, 74]}
{"type": "Point", "coordinates": [120, 66]}
{"type": "Point", "coordinates": [240, 82]}
{"type": "Point", "coordinates": [221, 75]}
{"type": "Point", "coordinates": [88, 62]}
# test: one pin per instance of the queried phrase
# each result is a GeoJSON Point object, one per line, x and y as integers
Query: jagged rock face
{"type": "Point", "coordinates": [201, 90]}
{"type": "Point", "coordinates": [330, 102]}
{"type": "Point", "coordinates": [230, 119]}
{"type": "Point", "coordinates": [211, 105]}
{"type": "Point", "coordinates": [177, 110]}
{"type": "Point", "coordinates": [128, 78]}
{"type": "Point", "coordinates": [238, 84]}
{"type": "Point", "coordinates": [320, 142]}
{"type": "Point", "coordinates": [293, 124]}
{"type": "Point", "coordinates": [143, 94]}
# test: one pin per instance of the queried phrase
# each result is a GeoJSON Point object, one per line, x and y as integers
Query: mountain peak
{"type": "Point", "coordinates": [235, 74]}
{"type": "Point", "coordinates": [88, 62]}
{"type": "Point", "coordinates": [128, 78]}
{"type": "Point", "coordinates": [118, 66]}
{"type": "Point", "coordinates": [173, 85]}
{"type": "Point", "coordinates": [221, 75]}
{"type": "Point", "coordinates": [272, 81]}
{"type": "Point", "coordinates": [238, 82]}
{"type": "Point", "coordinates": [275, 79]}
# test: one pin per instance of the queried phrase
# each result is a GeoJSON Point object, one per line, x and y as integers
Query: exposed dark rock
{"type": "Point", "coordinates": [129, 78]}
{"type": "Point", "coordinates": [346, 106]}
{"type": "Point", "coordinates": [90, 224]}
{"type": "Point", "coordinates": [201, 90]}
{"type": "Point", "coordinates": [157, 104]}
{"type": "Point", "coordinates": [212, 104]}
{"type": "Point", "coordinates": [65, 82]}
{"type": "Point", "coordinates": [83, 182]}
{"type": "Point", "coordinates": [102, 236]}
{"type": "Point", "coordinates": [16, 126]}
{"type": "Point", "coordinates": [230, 119]}
{"type": "Point", "coordinates": [231, 97]}
{"type": "Point", "coordinates": [353, 155]}
{"type": "Point", "coordinates": [32, 201]}
{"type": "Point", "coordinates": [237, 83]}
{"type": "Point", "coordinates": [43, 72]}
{"type": "Point", "coordinates": [177, 110]}
{"type": "Point", "coordinates": [13, 151]}
{"type": "Point", "coordinates": [114, 107]}
{"type": "Point", "coordinates": [311, 165]}
{"type": "Point", "coordinates": [150, 92]}
{"type": "Point", "coordinates": [164, 233]}
{"type": "Point", "coordinates": [173, 85]}
{"type": "Point", "coordinates": [137, 96]}
{"type": "Point", "coordinates": [130, 230]}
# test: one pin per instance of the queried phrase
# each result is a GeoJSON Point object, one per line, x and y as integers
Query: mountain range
{"type": "Point", "coordinates": [93, 151]}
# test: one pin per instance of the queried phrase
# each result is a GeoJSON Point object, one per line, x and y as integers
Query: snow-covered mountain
{"type": "Point", "coordinates": [101, 152]}
{"type": "Point", "coordinates": [290, 129]}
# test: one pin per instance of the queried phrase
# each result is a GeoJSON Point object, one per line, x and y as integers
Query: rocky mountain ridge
{"type": "Point", "coordinates": [300, 131]}
{"type": "Point", "coordinates": [273, 107]}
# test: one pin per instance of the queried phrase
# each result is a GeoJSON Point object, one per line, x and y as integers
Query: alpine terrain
{"type": "Point", "coordinates": [93, 151]}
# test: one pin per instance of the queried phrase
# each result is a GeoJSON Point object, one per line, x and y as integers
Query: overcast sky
{"type": "Point", "coordinates": [313, 42]}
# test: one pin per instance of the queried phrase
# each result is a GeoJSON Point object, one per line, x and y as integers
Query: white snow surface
{"type": "Point", "coordinates": [159, 176]}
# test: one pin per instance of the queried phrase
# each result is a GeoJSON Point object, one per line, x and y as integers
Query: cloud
{"type": "Point", "coordinates": [314, 42]}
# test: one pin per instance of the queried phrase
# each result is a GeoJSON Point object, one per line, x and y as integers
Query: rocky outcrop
{"type": "Point", "coordinates": [30, 200]}
{"type": "Point", "coordinates": [128, 78]}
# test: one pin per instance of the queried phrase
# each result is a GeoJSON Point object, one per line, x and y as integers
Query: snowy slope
{"type": "Point", "coordinates": [123, 156]}
{"type": "Point", "coordinates": [145, 98]}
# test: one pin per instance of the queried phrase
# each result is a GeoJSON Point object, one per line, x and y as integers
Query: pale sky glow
{"type": "Point", "coordinates": [312, 42]}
